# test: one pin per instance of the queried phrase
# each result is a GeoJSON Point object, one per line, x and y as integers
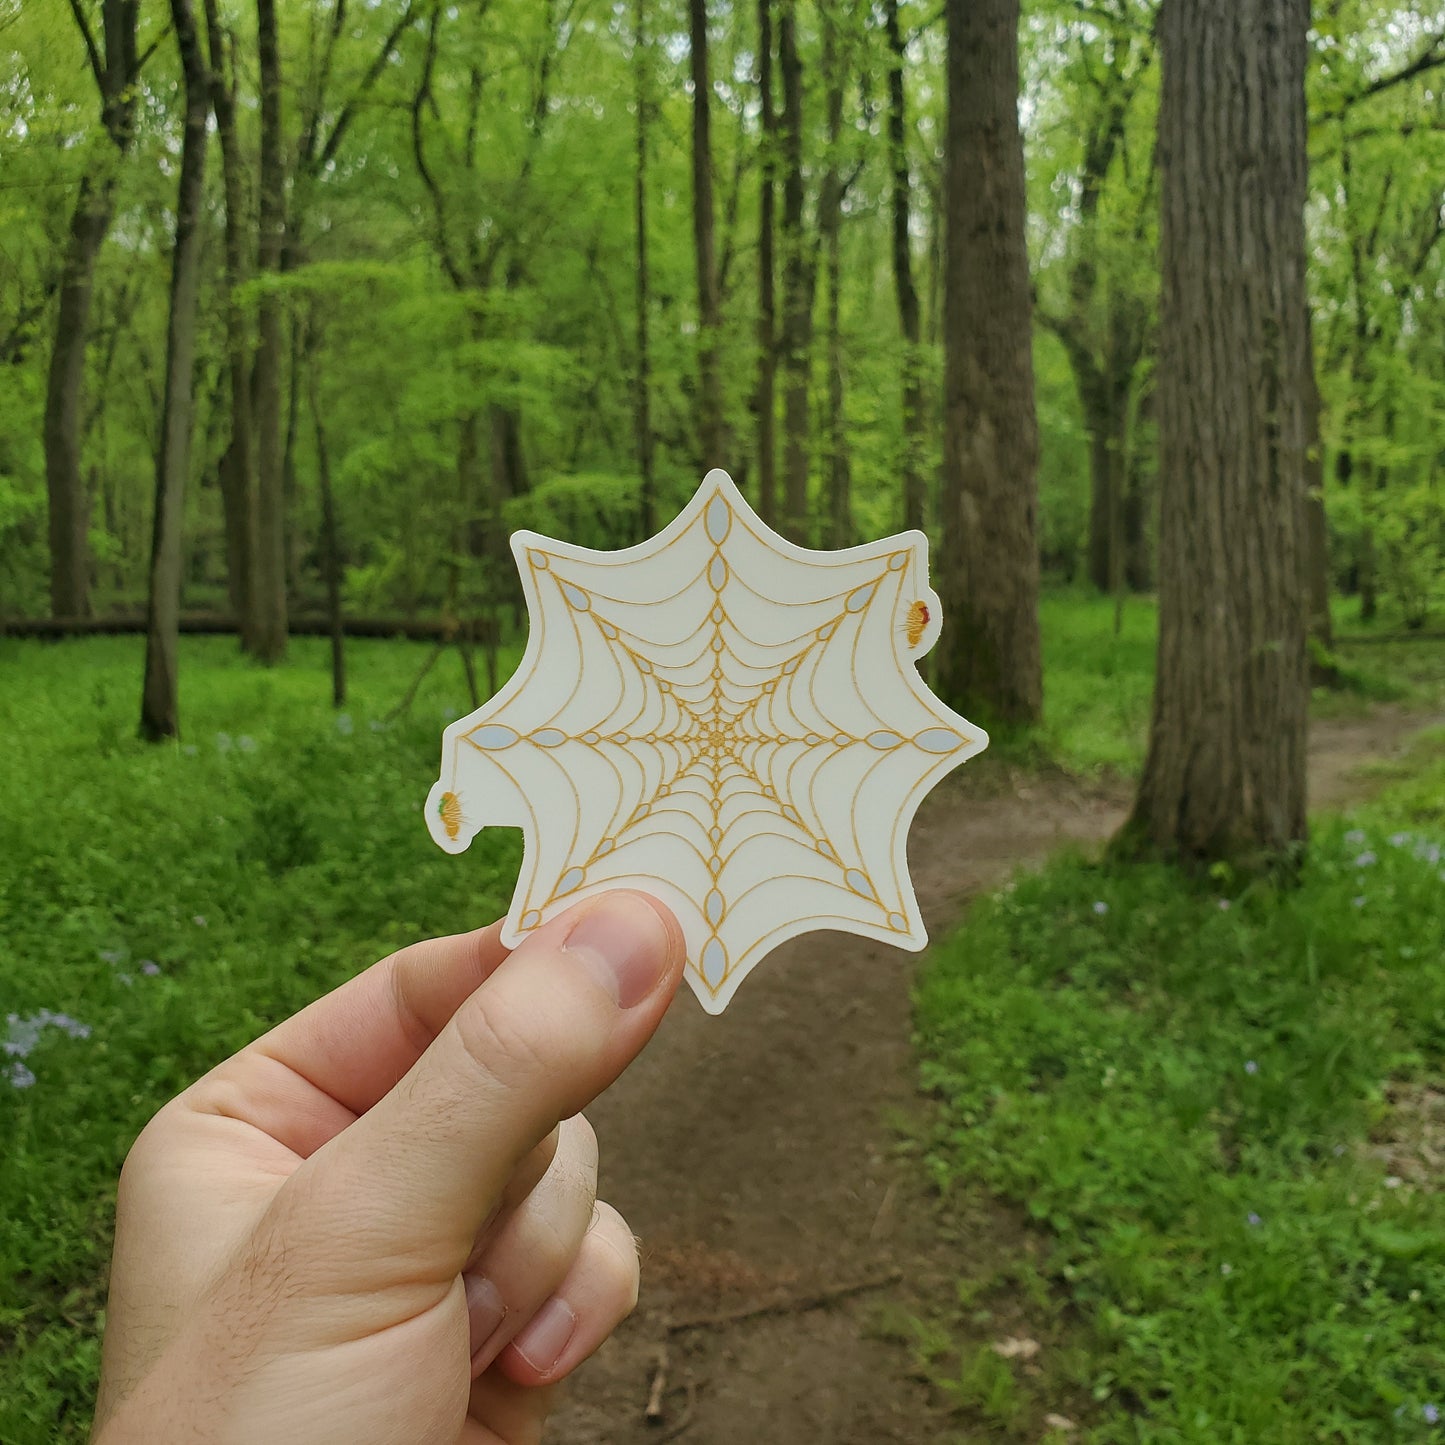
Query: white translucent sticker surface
{"type": "Point", "coordinates": [730, 722]}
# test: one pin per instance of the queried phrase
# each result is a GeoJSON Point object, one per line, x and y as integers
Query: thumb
{"type": "Point", "coordinates": [400, 1194]}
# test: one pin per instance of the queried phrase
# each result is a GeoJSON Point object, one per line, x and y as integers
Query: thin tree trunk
{"type": "Point", "coordinates": [710, 410]}
{"type": "Point", "coordinates": [647, 492]}
{"type": "Point", "coordinates": [115, 66]}
{"type": "Point", "coordinates": [238, 464]}
{"type": "Point", "coordinates": [65, 486]}
{"type": "Point", "coordinates": [300, 354]}
{"type": "Point", "coordinates": [911, 468]}
{"type": "Point", "coordinates": [830, 226]}
{"type": "Point", "coordinates": [989, 579]}
{"type": "Point", "coordinates": [330, 545]}
{"type": "Point", "coordinates": [160, 696]}
{"type": "Point", "coordinates": [767, 269]}
{"type": "Point", "coordinates": [798, 282]}
{"type": "Point", "coordinates": [269, 572]}
{"type": "Point", "coordinates": [1224, 777]}
{"type": "Point", "coordinates": [1316, 550]}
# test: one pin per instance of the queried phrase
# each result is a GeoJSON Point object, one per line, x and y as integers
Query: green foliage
{"type": "Point", "coordinates": [178, 901]}
{"type": "Point", "coordinates": [1202, 1099]}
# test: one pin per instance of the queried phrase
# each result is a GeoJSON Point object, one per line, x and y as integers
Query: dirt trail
{"type": "Point", "coordinates": [755, 1154]}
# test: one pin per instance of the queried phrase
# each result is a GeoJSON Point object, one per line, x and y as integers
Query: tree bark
{"type": "Point", "coordinates": [766, 404]}
{"type": "Point", "coordinates": [911, 457]}
{"type": "Point", "coordinates": [115, 65]}
{"type": "Point", "coordinates": [647, 490]}
{"type": "Point", "coordinates": [1224, 777]}
{"type": "Point", "coordinates": [839, 529]}
{"type": "Point", "coordinates": [709, 391]}
{"type": "Point", "coordinates": [799, 271]}
{"type": "Point", "coordinates": [268, 600]}
{"type": "Point", "coordinates": [989, 661]}
{"type": "Point", "coordinates": [238, 464]}
{"type": "Point", "coordinates": [330, 545]}
{"type": "Point", "coordinates": [160, 695]}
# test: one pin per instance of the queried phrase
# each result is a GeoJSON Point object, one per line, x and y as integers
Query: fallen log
{"type": "Point", "coordinates": [413, 629]}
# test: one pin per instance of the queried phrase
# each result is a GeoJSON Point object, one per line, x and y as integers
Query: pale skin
{"type": "Point", "coordinates": [378, 1224]}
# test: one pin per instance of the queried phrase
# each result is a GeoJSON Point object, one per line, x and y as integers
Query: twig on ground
{"type": "Point", "coordinates": [686, 1418]}
{"type": "Point", "coordinates": [789, 1305]}
{"type": "Point", "coordinates": [654, 1412]}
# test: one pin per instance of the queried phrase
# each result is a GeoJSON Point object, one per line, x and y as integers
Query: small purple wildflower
{"type": "Point", "coordinates": [1431, 1414]}
{"type": "Point", "coordinates": [1364, 859]}
{"type": "Point", "coordinates": [112, 956]}
{"type": "Point", "coordinates": [20, 1076]}
{"type": "Point", "coordinates": [1101, 908]}
{"type": "Point", "coordinates": [1339, 1150]}
{"type": "Point", "coordinates": [1359, 901]}
{"type": "Point", "coordinates": [1398, 840]}
{"type": "Point", "coordinates": [344, 724]}
{"type": "Point", "coordinates": [199, 921]}
{"type": "Point", "coordinates": [1250, 1067]}
{"type": "Point", "coordinates": [1355, 837]}
{"type": "Point", "coordinates": [1223, 905]}
{"type": "Point", "coordinates": [1253, 1220]}
{"type": "Point", "coordinates": [1226, 1270]}
{"type": "Point", "coordinates": [223, 742]}
{"type": "Point", "coordinates": [149, 967]}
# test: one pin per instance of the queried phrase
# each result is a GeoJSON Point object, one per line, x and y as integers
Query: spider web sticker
{"type": "Point", "coordinates": [728, 721]}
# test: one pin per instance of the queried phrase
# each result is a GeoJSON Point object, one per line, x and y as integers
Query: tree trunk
{"type": "Point", "coordinates": [330, 546]}
{"type": "Point", "coordinates": [1225, 772]}
{"type": "Point", "coordinates": [160, 696]}
{"type": "Point", "coordinates": [798, 281]}
{"type": "Point", "coordinates": [839, 528]}
{"type": "Point", "coordinates": [767, 306]}
{"type": "Point", "coordinates": [268, 600]}
{"type": "Point", "coordinates": [912, 460]}
{"type": "Point", "coordinates": [115, 65]}
{"type": "Point", "coordinates": [989, 566]}
{"type": "Point", "coordinates": [1316, 551]}
{"type": "Point", "coordinates": [238, 464]}
{"type": "Point", "coordinates": [709, 389]}
{"type": "Point", "coordinates": [647, 491]}
{"type": "Point", "coordinates": [65, 486]}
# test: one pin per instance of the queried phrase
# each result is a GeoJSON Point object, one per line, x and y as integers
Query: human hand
{"type": "Point", "coordinates": [377, 1223]}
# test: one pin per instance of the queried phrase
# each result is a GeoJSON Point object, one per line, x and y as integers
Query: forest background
{"type": "Point", "coordinates": [425, 313]}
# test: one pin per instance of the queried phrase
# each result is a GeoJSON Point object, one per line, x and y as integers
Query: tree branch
{"type": "Point", "coordinates": [419, 103]}
{"type": "Point", "coordinates": [373, 73]}
{"type": "Point", "coordinates": [96, 67]}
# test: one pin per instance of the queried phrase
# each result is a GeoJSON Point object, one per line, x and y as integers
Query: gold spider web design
{"type": "Point", "coordinates": [723, 718]}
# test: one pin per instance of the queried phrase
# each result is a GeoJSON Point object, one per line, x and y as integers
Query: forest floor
{"type": "Point", "coordinates": [793, 1247]}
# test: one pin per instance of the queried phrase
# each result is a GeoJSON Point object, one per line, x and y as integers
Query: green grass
{"type": "Point", "coordinates": [252, 868]}
{"type": "Point", "coordinates": [256, 867]}
{"type": "Point", "coordinates": [1193, 1104]}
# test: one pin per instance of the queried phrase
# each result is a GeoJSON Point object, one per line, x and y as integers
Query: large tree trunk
{"type": "Point", "coordinates": [238, 464]}
{"type": "Point", "coordinates": [647, 491]}
{"type": "Point", "coordinates": [989, 566]}
{"type": "Point", "coordinates": [911, 461]}
{"type": "Point", "coordinates": [268, 600]}
{"type": "Point", "coordinates": [766, 404]}
{"type": "Point", "coordinates": [160, 696]}
{"type": "Point", "coordinates": [1225, 772]}
{"type": "Point", "coordinates": [65, 485]}
{"type": "Point", "coordinates": [709, 389]}
{"type": "Point", "coordinates": [798, 279]}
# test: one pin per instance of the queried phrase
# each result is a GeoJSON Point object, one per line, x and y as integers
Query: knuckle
{"type": "Point", "coordinates": [503, 1042]}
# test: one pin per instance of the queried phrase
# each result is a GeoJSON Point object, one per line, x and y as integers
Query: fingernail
{"type": "Point", "coordinates": [485, 1310]}
{"type": "Point", "coordinates": [624, 945]}
{"type": "Point", "coordinates": [546, 1336]}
